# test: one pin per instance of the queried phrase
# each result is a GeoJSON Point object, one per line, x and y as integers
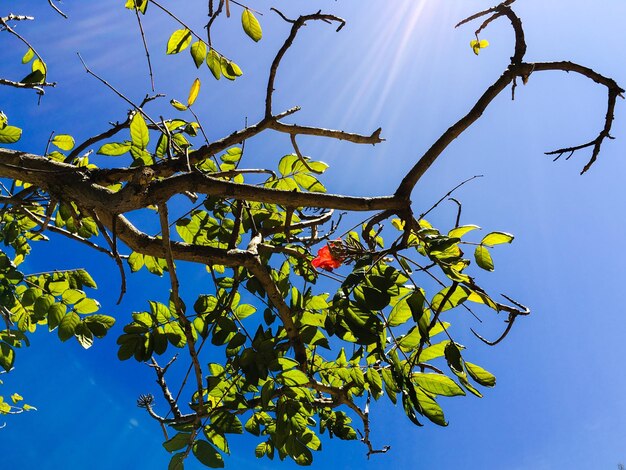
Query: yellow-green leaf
{"type": "Point", "coordinates": [114, 149]}
{"type": "Point", "coordinates": [213, 61]}
{"type": "Point", "coordinates": [63, 141]}
{"type": "Point", "coordinates": [458, 232]}
{"type": "Point", "coordinates": [28, 56]}
{"type": "Point", "coordinates": [438, 384]}
{"type": "Point", "coordinates": [140, 5]}
{"type": "Point", "coordinates": [39, 66]}
{"type": "Point", "coordinates": [478, 45]}
{"type": "Point", "coordinates": [483, 258]}
{"type": "Point", "coordinates": [480, 375]}
{"type": "Point", "coordinates": [178, 41]}
{"type": "Point", "coordinates": [139, 131]}
{"type": "Point", "coordinates": [497, 238]}
{"type": "Point", "coordinates": [198, 52]}
{"type": "Point", "coordinates": [251, 25]}
{"type": "Point", "coordinates": [16, 397]}
{"type": "Point", "coordinates": [10, 134]}
{"type": "Point", "coordinates": [178, 105]}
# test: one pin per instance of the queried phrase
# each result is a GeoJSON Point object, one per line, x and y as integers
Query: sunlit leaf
{"type": "Point", "coordinates": [213, 61]}
{"type": "Point", "coordinates": [483, 258]}
{"type": "Point", "coordinates": [438, 384]}
{"type": "Point", "coordinates": [454, 296]}
{"type": "Point", "coordinates": [480, 375]}
{"type": "Point", "coordinates": [139, 134]}
{"type": "Point", "coordinates": [28, 56]}
{"type": "Point", "coordinates": [497, 238]}
{"type": "Point", "coordinates": [178, 41]}
{"type": "Point", "coordinates": [251, 25]}
{"type": "Point", "coordinates": [198, 52]}
{"type": "Point", "coordinates": [63, 141]}
{"type": "Point", "coordinates": [115, 149]}
{"type": "Point", "coordinates": [477, 45]}
{"type": "Point", "coordinates": [458, 232]}
{"type": "Point", "coordinates": [10, 134]}
{"type": "Point", "coordinates": [193, 92]}
{"type": "Point", "coordinates": [178, 105]}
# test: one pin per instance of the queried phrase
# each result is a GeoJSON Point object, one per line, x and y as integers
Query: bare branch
{"type": "Point", "coordinates": [296, 25]}
{"type": "Point", "coordinates": [57, 9]}
{"type": "Point", "coordinates": [180, 310]}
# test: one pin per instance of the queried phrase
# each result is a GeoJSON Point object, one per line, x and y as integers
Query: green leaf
{"type": "Point", "coordinates": [226, 69]}
{"type": "Point", "coordinates": [217, 439]}
{"type": "Point", "coordinates": [262, 449]}
{"type": "Point", "coordinates": [453, 356]}
{"type": "Point", "coordinates": [63, 141]}
{"type": "Point", "coordinates": [35, 77]}
{"type": "Point", "coordinates": [178, 442]}
{"type": "Point", "coordinates": [438, 384]}
{"type": "Point", "coordinates": [68, 325]}
{"type": "Point", "coordinates": [430, 408]}
{"type": "Point", "coordinates": [400, 313]}
{"type": "Point", "coordinates": [115, 149]}
{"type": "Point", "coordinates": [198, 52]}
{"type": "Point", "coordinates": [294, 377]}
{"type": "Point", "coordinates": [227, 423]}
{"type": "Point", "coordinates": [7, 357]}
{"type": "Point", "coordinates": [86, 306]}
{"type": "Point", "coordinates": [153, 265]}
{"type": "Point", "coordinates": [482, 298]}
{"type": "Point", "coordinates": [415, 301]}
{"type": "Point", "coordinates": [177, 462]}
{"type": "Point", "coordinates": [458, 232]}
{"type": "Point", "coordinates": [213, 61]}
{"type": "Point", "coordinates": [497, 238]}
{"type": "Point", "coordinates": [178, 41]}
{"type": "Point", "coordinates": [483, 258]}
{"type": "Point", "coordinates": [84, 335]}
{"type": "Point", "coordinates": [42, 304]}
{"type": "Point", "coordinates": [139, 131]}
{"type": "Point", "coordinates": [85, 278]}
{"type": "Point", "coordinates": [233, 69]}
{"type": "Point", "coordinates": [457, 297]}
{"type": "Point", "coordinates": [244, 311]}
{"type": "Point", "coordinates": [480, 375]}
{"type": "Point", "coordinates": [58, 287]}
{"type": "Point", "coordinates": [251, 25]}
{"type": "Point", "coordinates": [10, 134]}
{"type": "Point", "coordinates": [207, 454]}
{"type": "Point", "coordinates": [310, 439]}
{"type": "Point", "coordinates": [56, 312]}
{"type": "Point", "coordinates": [135, 261]}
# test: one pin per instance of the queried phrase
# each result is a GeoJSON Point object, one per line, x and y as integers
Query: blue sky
{"type": "Point", "coordinates": [559, 401]}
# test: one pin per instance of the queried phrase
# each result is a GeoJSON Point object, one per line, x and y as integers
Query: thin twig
{"type": "Point", "coordinates": [145, 46]}
{"type": "Point", "coordinates": [55, 8]}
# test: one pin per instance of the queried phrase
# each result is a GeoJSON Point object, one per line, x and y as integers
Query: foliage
{"type": "Point", "coordinates": [290, 361]}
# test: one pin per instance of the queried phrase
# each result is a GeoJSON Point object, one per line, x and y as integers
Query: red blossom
{"type": "Point", "coordinates": [325, 260]}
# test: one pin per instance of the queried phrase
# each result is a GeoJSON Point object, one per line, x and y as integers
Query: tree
{"type": "Point", "coordinates": [314, 362]}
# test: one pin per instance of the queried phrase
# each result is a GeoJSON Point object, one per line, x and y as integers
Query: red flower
{"type": "Point", "coordinates": [325, 259]}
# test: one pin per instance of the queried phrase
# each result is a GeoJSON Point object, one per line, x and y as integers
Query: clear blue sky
{"type": "Point", "coordinates": [559, 402]}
